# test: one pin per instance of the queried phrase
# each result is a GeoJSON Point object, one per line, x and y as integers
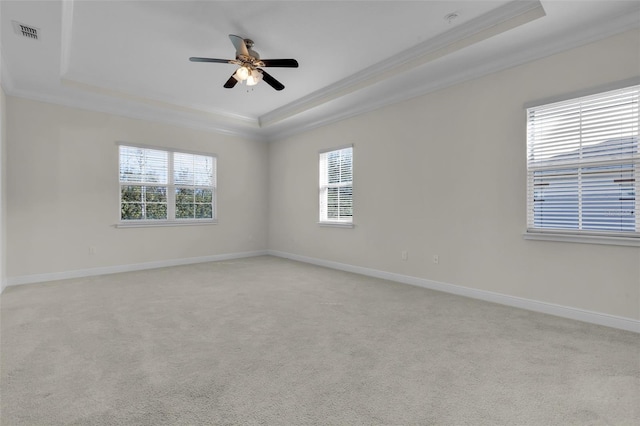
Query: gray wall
{"type": "Point", "coordinates": [63, 192]}
{"type": "Point", "coordinates": [440, 174]}
{"type": "Point", "coordinates": [445, 174]}
{"type": "Point", "coordinates": [3, 191]}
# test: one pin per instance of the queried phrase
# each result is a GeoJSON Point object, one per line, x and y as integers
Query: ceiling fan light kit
{"type": "Point", "coordinates": [254, 78]}
{"type": "Point", "coordinates": [242, 74]}
{"type": "Point", "coordinates": [250, 64]}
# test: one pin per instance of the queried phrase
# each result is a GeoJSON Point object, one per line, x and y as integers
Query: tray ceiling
{"type": "Point", "coordinates": [131, 57]}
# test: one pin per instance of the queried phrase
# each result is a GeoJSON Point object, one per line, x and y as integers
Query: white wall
{"type": "Point", "coordinates": [3, 192]}
{"type": "Point", "coordinates": [62, 192]}
{"type": "Point", "coordinates": [445, 174]}
{"type": "Point", "coordinates": [440, 174]}
{"type": "Point", "coordinates": [3, 203]}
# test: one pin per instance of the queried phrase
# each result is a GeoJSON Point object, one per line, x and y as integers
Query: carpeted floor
{"type": "Point", "coordinates": [275, 342]}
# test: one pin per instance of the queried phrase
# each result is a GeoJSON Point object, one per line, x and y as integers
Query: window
{"type": "Point", "coordinates": [165, 186]}
{"type": "Point", "coordinates": [583, 165]}
{"type": "Point", "coordinates": [336, 186]}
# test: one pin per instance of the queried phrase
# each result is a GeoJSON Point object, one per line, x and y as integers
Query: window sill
{"type": "Point", "coordinates": [584, 239]}
{"type": "Point", "coordinates": [146, 224]}
{"type": "Point", "coordinates": [336, 224]}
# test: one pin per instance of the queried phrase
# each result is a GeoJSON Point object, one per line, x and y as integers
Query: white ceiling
{"type": "Point", "coordinates": [131, 57]}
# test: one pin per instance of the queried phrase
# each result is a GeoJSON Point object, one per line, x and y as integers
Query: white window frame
{"type": "Point", "coordinates": [171, 191]}
{"type": "Point", "coordinates": [324, 185]}
{"type": "Point", "coordinates": [584, 162]}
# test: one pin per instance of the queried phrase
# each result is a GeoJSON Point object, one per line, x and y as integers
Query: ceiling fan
{"type": "Point", "coordinates": [249, 63]}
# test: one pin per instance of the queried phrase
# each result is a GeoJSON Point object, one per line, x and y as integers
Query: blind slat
{"type": "Point", "coordinates": [336, 185]}
{"type": "Point", "coordinates": [583, 164]}
{"type": "Point", "coordinates": [165, 185]}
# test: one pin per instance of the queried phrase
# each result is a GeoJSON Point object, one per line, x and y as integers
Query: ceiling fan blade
{"type": "Point", "coordinates": [238, 43]}
{"type": "Point", "coordinates": [284, 63]}
{"type": "Point", "coordinates": [270, 80]}
{"type": "Point", "coordinates": [219, 61]}
{"type": "Point", "coordinates": [231, 82]}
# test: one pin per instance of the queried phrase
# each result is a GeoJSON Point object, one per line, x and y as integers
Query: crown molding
{"type": "Point", "coordinates": [507, 17]}
{"type": "Point", "coordinates": [142, 112]}
{"type": "Point", "coordinates": [288, 121]}
{"type": "Point", "coordinates": [616, 25]}
{"type": "Point", "coordinates": [142, 106]}
{"type": "Point", "coordinates": [86, 84]}
{"type": "Point", "coordinates": [66, 30]}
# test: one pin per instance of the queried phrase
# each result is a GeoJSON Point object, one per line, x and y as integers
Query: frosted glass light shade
{"type": "Point", "coordinates": [242, 73]}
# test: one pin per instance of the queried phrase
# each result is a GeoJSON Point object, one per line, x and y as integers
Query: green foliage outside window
{"type": "Point", "coordinates": [194, 203]}
{"type": "Point", "coordinates": [165, 185]}
{"type": "Point", "coordinates": [143, 202]}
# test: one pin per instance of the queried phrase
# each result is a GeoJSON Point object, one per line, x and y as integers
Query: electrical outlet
{"type": "Point", "coordinates": [404, 255]}
{"type": "Point", "coordinates": [436, 259]}
{"type": "Point", "coordinates": [92, 250]}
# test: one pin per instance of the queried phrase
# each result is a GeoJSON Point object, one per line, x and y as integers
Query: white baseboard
{"type": "Point", "coordinates": [599, 318]}
{"type": "Point", "coordinates": [607, 320]}
{"type": "Point", "coordinates": [79, 273]}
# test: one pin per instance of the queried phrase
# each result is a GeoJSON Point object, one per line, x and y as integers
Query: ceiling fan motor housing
{"type": "Point", "coordinates": [249, 43]}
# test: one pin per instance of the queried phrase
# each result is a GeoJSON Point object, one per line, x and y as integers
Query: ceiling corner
{"type": "Point", "coordinates": [66, 36]}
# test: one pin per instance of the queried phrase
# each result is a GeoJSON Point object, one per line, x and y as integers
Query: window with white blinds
{"type": "Point", "coordinates": [336, 186]}
{"type": "Point", "coordinates": [166, 186]}
{"type": "Point", "coordinates": [583, 165]}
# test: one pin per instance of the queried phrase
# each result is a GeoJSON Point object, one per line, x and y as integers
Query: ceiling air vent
{"type": "Point", "coordinates": [26, 30]}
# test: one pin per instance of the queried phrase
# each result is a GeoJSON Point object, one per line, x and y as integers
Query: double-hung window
{"type": "Point", "coordinates": [159, 186]}
{"type": "Point", "coordinates": [336, 186]}
{"type": "Point", "coordinates": [583, 166]}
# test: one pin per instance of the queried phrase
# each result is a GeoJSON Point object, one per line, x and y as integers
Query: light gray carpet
{"type": "Point", "coordinates": [270, 341]}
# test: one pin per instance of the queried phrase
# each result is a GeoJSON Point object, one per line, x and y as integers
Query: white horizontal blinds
{"type": "Point", "coordinates": [194, 179]}
{"type": "Point", "coordinates": [583, 164]}
{"type": "Point", "coordinates": [166, 185]}
{"type": "Point", "coordinates": [143, 183]}
{"type": "Point", "coordinates": [142, 165]}
{"type": "Point", "coordinates": [336, 185]}
{"type": "Point", "coordinates": [194, 170]}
